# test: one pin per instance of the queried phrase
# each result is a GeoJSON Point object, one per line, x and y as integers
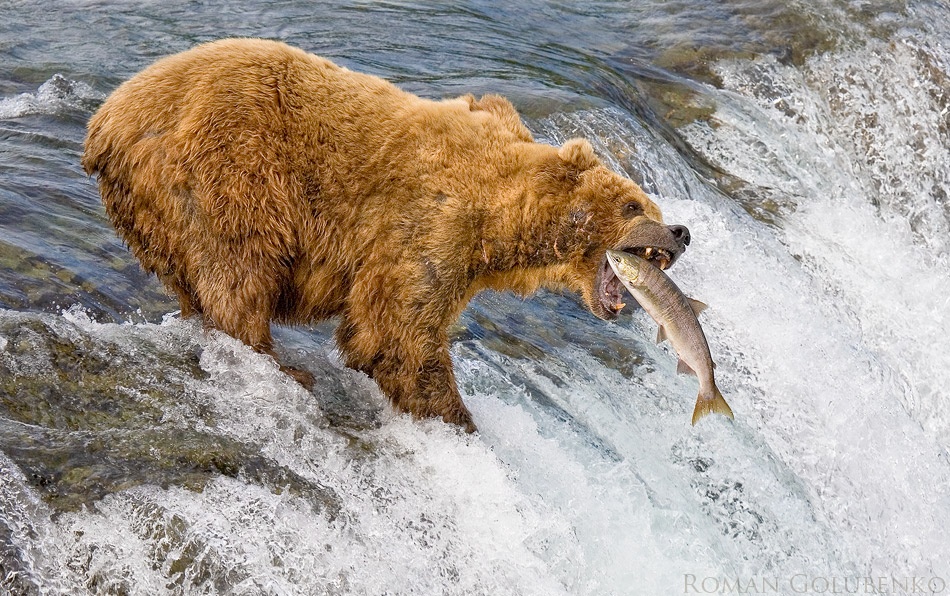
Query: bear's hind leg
{"type": "Point", "coordinates": [187, 300]}
{"type": "Point", "coordinates": [240, 302]}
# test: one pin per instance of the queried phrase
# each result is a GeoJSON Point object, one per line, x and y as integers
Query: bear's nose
{"type": "Point", "coordinates": [681, 234]}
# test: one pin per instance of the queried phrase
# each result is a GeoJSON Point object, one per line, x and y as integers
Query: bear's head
{"type": "Point", "coordinates": [610, 212]}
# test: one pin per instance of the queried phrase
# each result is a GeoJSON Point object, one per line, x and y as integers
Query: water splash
{"type": "Point", "coordinates": [28, 540]}
{"type": "Point", "coordinates": [863, 169]}
{"type": "Point", "coordinates": [56, 96]}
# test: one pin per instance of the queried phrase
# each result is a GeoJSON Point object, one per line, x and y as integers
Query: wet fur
{"type": "Point", "coordinates": [261, 183]}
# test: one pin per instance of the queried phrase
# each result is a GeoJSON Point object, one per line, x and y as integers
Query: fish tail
{"type": "Point", "coordinates": [707, 404]}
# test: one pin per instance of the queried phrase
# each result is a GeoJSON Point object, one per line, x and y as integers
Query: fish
{"type": "Point", "coordinates": [676, 315]}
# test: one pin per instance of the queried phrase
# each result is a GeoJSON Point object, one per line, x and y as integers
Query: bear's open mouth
{"type": "Point", "coordinates": [611, 289]}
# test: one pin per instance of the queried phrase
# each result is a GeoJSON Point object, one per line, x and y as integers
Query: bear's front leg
{"type": "Point", "coordinates": [426, 390]}
{"type": "Point", "coordinates": [414, 370]}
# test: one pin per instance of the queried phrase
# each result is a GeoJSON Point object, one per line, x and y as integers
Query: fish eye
{"type": "Point", "coordinates": [631, 209]}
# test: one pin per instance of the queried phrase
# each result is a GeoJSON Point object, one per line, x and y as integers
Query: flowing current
{"type": "Point", "coordinates": [805, 145]}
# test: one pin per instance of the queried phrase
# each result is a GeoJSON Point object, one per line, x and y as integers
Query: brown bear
{"type": "Point", "coordinates": [261, 183]}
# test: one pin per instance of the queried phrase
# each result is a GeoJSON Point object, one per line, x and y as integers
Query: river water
{"type": "Point", "coordinates": [805, 144]}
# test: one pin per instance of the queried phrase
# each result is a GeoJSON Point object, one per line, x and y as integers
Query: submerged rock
{"type": "Point", "coordinates": [85, 417]}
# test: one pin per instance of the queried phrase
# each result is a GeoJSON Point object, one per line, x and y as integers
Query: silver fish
{"type": "Point", "coordinates": [676, 315]}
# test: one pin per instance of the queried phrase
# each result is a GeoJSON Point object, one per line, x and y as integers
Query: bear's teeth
{"type": "Point", "coordinates": [648, 252]}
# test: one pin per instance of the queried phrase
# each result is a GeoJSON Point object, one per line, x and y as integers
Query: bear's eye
{"type": "Point", "coordinates": [631, 209]}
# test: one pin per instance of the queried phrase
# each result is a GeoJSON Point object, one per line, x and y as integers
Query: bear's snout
{"type": "Point", "coordinates": [680, 234]}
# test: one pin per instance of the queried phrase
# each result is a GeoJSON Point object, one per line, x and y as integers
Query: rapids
{"type": "Point", "coordinates": [805, 145]}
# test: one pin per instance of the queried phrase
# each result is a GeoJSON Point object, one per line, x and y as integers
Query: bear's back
{"type": "Point", "coordinates": [224, 85]}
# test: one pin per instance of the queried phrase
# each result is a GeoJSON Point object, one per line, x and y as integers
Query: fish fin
{"type": "Point", "coordinates": [684, 369]}
{"type": "Point", "coordinates": [698, 306]}
{"type": "Point", "coordinates": [707, 405]}
{"type": "Point", "coordinates": [660, 335]}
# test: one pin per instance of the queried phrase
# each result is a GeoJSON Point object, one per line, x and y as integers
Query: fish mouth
{"type": "Point", "coordinates": [610, 289]}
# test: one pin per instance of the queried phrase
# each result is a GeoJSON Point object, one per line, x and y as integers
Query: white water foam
{"type": "Point", "coordinates": [26, 523]}
{"type": "Point", "coordinates": [865, 166]}
{"type": "Point", "coordinates": [429, 511]}
{"type": "Point", "coordinates": [56, 95]}
{"type": "Point", "coordinates": [857, 144]}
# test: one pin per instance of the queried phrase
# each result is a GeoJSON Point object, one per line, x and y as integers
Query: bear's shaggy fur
{"type": "Point", "coordinates": [261, 183]}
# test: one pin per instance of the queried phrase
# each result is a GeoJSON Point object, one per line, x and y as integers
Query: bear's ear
{"type": "Point", "coordinates": [579, 154]}
{"type": "Point", "coordinates": [503, 110]}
